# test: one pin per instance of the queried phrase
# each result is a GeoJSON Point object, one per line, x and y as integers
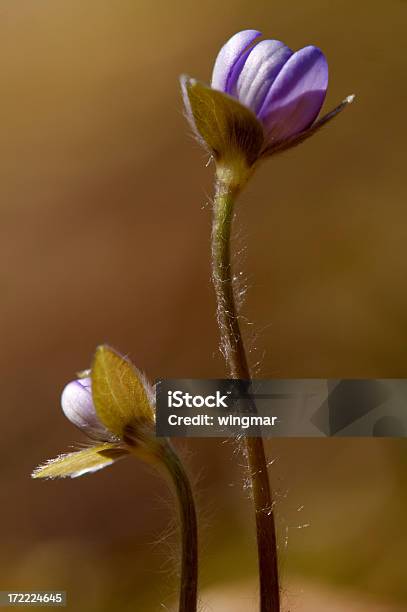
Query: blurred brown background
{"type": "Point", "coordinates": [105, 225]}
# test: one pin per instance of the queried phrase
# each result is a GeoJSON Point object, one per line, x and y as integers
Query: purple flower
{"type": "Point", "coordinates": [78, 407]}
{"type": "Point", "coordinates": [264, 98]}
{"type": "Point", "coordinates": [284, 89]}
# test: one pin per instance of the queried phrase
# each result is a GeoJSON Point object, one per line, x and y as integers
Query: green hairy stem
{"type": "Point", "coordinates": [229, 183]}
{"type": "Point", "coordinates": [188, 528]}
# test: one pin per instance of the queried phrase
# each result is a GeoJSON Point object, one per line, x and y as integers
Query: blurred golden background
{"type": "Point", "coordinates": [105, 224]}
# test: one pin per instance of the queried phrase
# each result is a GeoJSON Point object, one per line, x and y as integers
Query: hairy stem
{"type": "Point", "coordinates": [189, 563]}
{"type": "Point", "coordinates": [228, 186]}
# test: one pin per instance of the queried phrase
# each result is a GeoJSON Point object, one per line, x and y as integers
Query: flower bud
{"type": "Point", "coordinates": [284, 89]}
{"type": "Point", "coordinates": [77, 405]}
{"type": "Point", "coordinates": [263, 98]}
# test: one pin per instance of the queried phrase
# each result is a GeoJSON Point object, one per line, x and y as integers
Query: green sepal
{"type": "Point", "coordinates": [119, 392]}
{"type": "Point", "coordinates": [226, 127]}
{"type": "Point", "coordinates": [80, 462]}
{"type": "Point", "coordinates": [297, 139]}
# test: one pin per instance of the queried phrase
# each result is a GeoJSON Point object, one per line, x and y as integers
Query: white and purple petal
{"type": "Point", "coordinates": [231, 58]}
{"type": "Point", "coordinates": [260, 69]}
{"type": "Point", "coordinates": [296, 95]}
{"type": "Point", "coordinates": [77, 405]}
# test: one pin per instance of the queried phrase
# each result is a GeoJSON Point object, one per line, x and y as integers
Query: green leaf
{"type": "Point", "coordinates": [227, 127]}
{"type": "Point", "coordinates": [119, 392]}
{"type": "Point", "coordinates": [80, 462]}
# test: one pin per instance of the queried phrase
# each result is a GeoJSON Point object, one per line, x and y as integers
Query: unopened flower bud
{"type": "Point", "coordinates": [284, 89]}
{"type": "Point", "coordinates": [78, 407]}
{"type": "Point", "coordinates": [263, 98]}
